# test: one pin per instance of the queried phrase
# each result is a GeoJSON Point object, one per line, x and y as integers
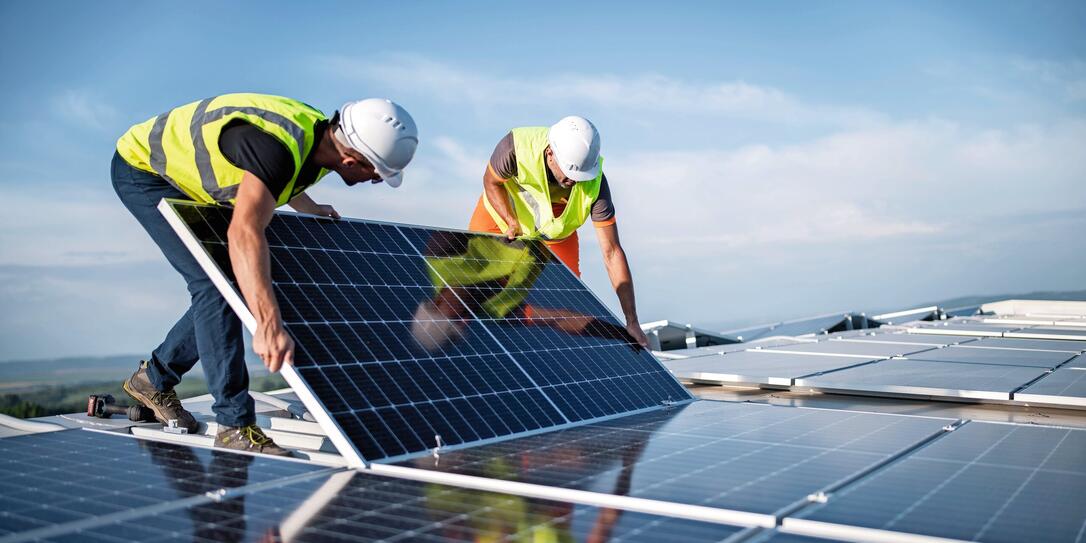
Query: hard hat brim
{"type": "Point", "coordinates": [394, 180]}
{"type": "Point", "coordinates": [580, 176]}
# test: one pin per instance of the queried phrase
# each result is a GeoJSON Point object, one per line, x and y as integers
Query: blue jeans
{"type": "Point", "coordinates": [209, 331]}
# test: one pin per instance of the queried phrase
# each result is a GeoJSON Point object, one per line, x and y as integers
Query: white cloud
{"type": "Point", "coordinates": [1067, 75]}
{"type": "Point", "coordinates": [646, 93]}
{"type": "Point", "coordinates": [72, 226]}
{"type": "Point", "coordinates": [917, 180]}
{"type": "Point", "coordinates": [84, 108]}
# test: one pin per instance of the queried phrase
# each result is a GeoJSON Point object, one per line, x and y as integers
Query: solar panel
{"type": "Point", "coordinates": [927, 378]}
{"type": "Point", "coordinates": [80, 485]}
{"type": "Point", "coordinates": [869, 349]}
{"type": "Point", "coordinates": [981, 482]}
{"type": "Point", "coordinates": [956, 328]}
{"type": "Point", "coordinates": [758, 367]}
{"type": "Point", "coordinates": [734, 347]}
{"type": "Point", "coordinates": [1035, 344]}
{"type": "Point", "coordinates": [739, 457]}
{"type": "Point", "coordinates": [77, 476]}
{"type": "Point", "coordinates": [1050, 332]}
{"type": "Point", "coordinates": [408, 338]}
{"type": "Point", "coordinates": [1064, 386]}
{"type": "Point", "coordinates": [918, 339]}
{"type": "Point", "coordinates": [354, 506]}
{"type": "Point", "coordinates": [1076, 362]}
{"type": "Point", "coordinates": [993, 355]}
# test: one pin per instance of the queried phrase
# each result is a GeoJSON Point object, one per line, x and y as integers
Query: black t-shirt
{"type": "Point", "coordinates": [260, 154]}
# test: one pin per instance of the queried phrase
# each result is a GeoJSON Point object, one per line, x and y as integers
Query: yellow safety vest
{"type": "Point", "coordinates": [529, 191]}
{"type": "Point", "coordinates": [182, 145]}
{"type": "Point", "coordinates": [490, 259]}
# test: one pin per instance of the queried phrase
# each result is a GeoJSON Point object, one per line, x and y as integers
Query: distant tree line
{"type": "Point", "coordinates": [63, 399]}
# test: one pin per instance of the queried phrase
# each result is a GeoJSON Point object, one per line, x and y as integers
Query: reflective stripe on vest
{"type": "Point", "coordinates": [529, 191]}
{"type": "Point", "coordinates": [152, 151]}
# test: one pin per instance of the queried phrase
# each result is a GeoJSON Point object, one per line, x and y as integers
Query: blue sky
{"type": "Point", "coordinates": [769, 161]}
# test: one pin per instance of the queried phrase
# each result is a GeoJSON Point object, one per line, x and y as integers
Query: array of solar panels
{"type": "Point", "coordinates": [983, 359]}
{"type": "Point", "coordinates": [828, 473]}
{"type": "Point", "coordinates": [80, 485]}
{"type": "Point", "coordinates": [411, 338]}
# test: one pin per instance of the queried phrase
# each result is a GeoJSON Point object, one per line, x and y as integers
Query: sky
{"type": "Point", "coordinates": [768, 160]}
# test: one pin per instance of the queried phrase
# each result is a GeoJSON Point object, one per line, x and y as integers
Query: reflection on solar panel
{"type": "Point", "coordinates": [1065, 386]}
{"type": "Point", "coordinates": [352, 506]}
{"type": "Point", "coordinates": [78, 476]}
{"type": "Point", "coordinates": [758, 367]}
{"type": "Point", "coordinates": [926, 378]}
{"type": "Point", "coordinates": [740, 457]}
{"type": "Point", "coordinates": [983, 482]}
{"type": "Point", "coordinates": [89, 486]}
{"type": "Point", "coordinates": [998, 356]}
{"type": "Point", "coordinates": [408, 338]}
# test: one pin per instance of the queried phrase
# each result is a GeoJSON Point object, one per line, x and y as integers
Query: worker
{"type": "Point", "coordinates": [254, 152]}
{"type": "Point", "coordinates": [544, 183]}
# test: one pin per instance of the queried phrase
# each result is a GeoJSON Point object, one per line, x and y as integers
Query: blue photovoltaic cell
{"type": "Point", "coordinates": [54, 478]}
{"type": "Point", "coordinates": [1010, 357]}
{"type": "Point", "coordinates": [79, 486]}
{"type": "Point", "coordinates": [981, 482]}
{"type": "Point", "coordinates": [405, 334]}
{"type": "Point", "coordinates": [743, 457]}
{"type": "Point", "coordinates": [1065, 386]}
{"type": "Point", "coordinates": [351, 506]}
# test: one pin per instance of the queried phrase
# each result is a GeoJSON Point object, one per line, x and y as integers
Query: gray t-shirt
{"type": "Point", "coordinates": [504, 163]}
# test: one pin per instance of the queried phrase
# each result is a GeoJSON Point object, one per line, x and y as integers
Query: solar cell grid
{"type": "Point", "coordinates": [412, 337]}
{"type": "Point", "coordinates": [75, 475]}
{"type": "Point", "coordinates": [981, 482]}
{"type": "Point", "coordinates": [740, 457]}
{"type": "Point", "coordinates": [352, 506]}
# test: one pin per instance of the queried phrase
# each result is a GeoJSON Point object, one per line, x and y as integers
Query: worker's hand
{"type": "Point", "coordinates": [635, 331]}
{"type": "Point", "coordinates": [325, 210]}
{"type": "Point", "coordinates": [512, 231]}
{"type": "Point", "coordinates": [273, 345]}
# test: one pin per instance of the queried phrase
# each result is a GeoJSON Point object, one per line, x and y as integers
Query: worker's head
{"type": "Point", "coordinates": [375, 139]}
{"type": "Point", "coordinates": [573, 153]}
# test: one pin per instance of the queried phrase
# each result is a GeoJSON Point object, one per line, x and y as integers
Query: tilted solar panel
{"type": "Point", "coordinates": [411, 338]}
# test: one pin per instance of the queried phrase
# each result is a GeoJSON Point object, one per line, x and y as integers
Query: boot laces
{"type": "Point", "coordinates": [167, 399]}
{"type": "Point", "coordinates": [255, 435]}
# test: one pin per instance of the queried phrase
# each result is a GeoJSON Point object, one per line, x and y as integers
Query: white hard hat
{"type": "Point", "coordinates": [575, 143]}
{"type": "Point", "coordinates": [432, 329]}
{"type": "Point", "coordinates": [383, 132]}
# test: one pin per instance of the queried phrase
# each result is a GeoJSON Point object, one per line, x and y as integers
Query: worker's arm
{"type": "Point", "coordinates": [302, 203]}
{"type": "Point", "coordinates": [253, 211]}
{"type": "Point", "coordinates": [496, 195]}
{"type": "Point", "coordinates": [618, 269]}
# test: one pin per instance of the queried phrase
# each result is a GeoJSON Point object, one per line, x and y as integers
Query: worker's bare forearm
{"type": "Point", "coordinates": [302, 203]}
{"type": "Point", "coordinates": [493, 187]}
{"type": "Point", "coordinates": [249, 249]}
{"type": "Point", "coordinates": [252, 267]}
{"type": "Point", "coordinates": [618, 269]}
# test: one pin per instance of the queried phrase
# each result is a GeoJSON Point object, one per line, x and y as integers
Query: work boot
{"type": "Point", "coordinates": [249, 439]}
{"type": "Point", "coordinates": [164, 403]}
